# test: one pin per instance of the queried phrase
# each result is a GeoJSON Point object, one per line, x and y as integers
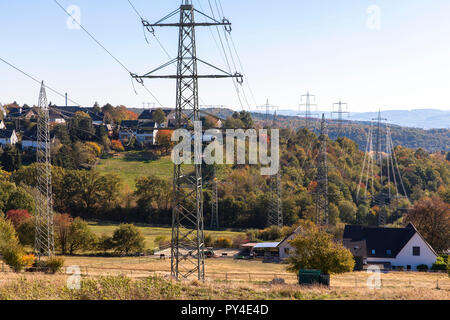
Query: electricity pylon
{"type": "Point", "coordinates": [44, 239]}
{"type": "Point", "coordinates": [340, 112]}
{"type": "Point", "coordinates": [188, 245]}
{"type": "Point", "coordinates": [322, 202]}
{"type": "Point", "coordinates": [267, 107]}
{"type": "Point", "coordinates": [275, 216]}
{"type": "Point", "coordinates": [305, 101]}
{"type": "Point", "coordinates": [379, 157]}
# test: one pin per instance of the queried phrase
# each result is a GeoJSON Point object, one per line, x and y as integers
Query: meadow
{"type": "Point", "coordinates": [151, 233]}
{"type": "Point", "coordinates": [134, 164]}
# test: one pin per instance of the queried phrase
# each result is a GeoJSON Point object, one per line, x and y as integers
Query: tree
{"type": "Point", "coordinates": [128, 239]}
{"type": "Point", "coordinates": [431, 217]}
{"type": "Point", "coordinates": [80, 236]}
{"type": "Point", "coordinates": [315, 249]}
{"type": "Point", "coordinates": [164, 140]}
{"type": "Point", "coordinates": [159, 116]}
{"type": "Point", "coordinates": [11, 159]}
{"type": "Point", "coordinates": [153, 192]}
{"type": "Point", "coordinates": [62, 223]}
{"type": "Point", "coordinates": [17, 217]}
{"type": "Point", "coordinates": [347, 211]}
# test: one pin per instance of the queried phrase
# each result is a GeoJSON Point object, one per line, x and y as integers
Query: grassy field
{"type": "Point", "coordinates": [396, 286]}
{"type": "Point", "coordinates": [150, 233]}
{"type": "Point", "coordinates": [132, 165]}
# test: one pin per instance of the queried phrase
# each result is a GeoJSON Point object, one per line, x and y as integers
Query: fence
{"type": "Point", "coordinates": [394, 279]}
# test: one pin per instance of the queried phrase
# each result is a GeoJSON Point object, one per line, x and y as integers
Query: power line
{"type": "Point", "coordinates": [104, 48]}
{"type": "Point", "coordinates": [36, 80]}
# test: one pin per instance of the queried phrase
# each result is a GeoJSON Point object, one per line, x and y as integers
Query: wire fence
{"type": "Point", "coordinates": [429, 280]}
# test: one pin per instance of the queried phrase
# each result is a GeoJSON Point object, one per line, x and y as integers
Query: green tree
{"type": "Point", "coordinates": [128, 239]}
{"type": "Point", "coordinates": [315, 249]}
{"type": "Point", "coordinates": [347, 211]}
{"type": "Point", "coordinates": [80, 236]}
{"type": "Point", "coordinates": [159, 116]}
{"type": "Point", "coordinates": [153, 192]}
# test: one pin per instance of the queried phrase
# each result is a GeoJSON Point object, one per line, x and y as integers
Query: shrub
{"type": "Point", "coordinates": [116, 145]}
{"type": "Point", "coordinates": [223, 243]}
{"type": "Point", "coordinates": [209, 241]}
{"type": "Point", "coordinates": [16, 259]}
{"type": "Point", "coordinates": [422, 267]}
{"type": "Point", "coordinates": [17, 217]}
{"type": "Point", "coordinates": [55, 264]}
{"type": "Point", "coordinates": [239, 240]}
{"type": "Point", "coordinates": [439, 265]}
{"type": "Point", "coordinates": [162, 241]}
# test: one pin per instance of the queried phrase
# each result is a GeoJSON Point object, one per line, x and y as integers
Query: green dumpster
{"type": "Point", "coordinates": [309, 277]}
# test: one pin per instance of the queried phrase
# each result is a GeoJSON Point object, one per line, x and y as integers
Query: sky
{"type": "Point", "coordinates": [377, 54]}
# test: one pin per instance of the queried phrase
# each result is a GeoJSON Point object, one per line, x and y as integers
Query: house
{"type": "Point", "coordinates": [281, 250]}
{"type": "Point", "coordinates": [8, 137]}
{"type": "Point", "coordinates": [389, 247]}
{"type": "Point", "coordinates": [145, 132]}
{"type": "Point", "coordinates": [56, 117]}
{"type": "Point", "coordinates": [147, 115]}
{"type": "Point", "coordinates": [29, 139]}
{"type": "Point", "coordinates": [284, 247]}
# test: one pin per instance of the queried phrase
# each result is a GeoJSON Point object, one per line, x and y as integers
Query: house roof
{"type": "Point", "coordinates": [148, 114]}
{"type": "Point", "coordinates": [357, 248]}
{"type": "Point", "coordinates": [266, 245]}
{"type": "Point", "coordinates": [129, 123]}
{"type": "Point", "coordinates": [381, 239]}
{"type": "Point", "coordinates": [6, 134]}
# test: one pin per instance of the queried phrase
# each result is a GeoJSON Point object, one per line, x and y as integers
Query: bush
{"type": "Point", "coordinates": [16, 259]}
{"type": "Point", "coordinates": [223, 243]}
{"type": "Point", "coordinates": [239, 240]}
{"type": "Point", "coordinates": [209, 241]}
{"type": "Point", "coordinates": [162, 241]}
{"type": "Point", "coordinates": [55, 264]}
{"type": "Point", "coordinates": [439, 265]}
{"type": "Point", "coordinates": [422, 267]}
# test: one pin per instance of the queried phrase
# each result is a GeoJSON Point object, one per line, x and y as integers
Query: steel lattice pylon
{"type": "Point", "coordinates": [44, 237]}
{"type": "Point", "coordinates": [322, 202]}
{"type": "Point", "coordinates": [187, 249]}
{"type": "Point", "coordinates": [275, 216]}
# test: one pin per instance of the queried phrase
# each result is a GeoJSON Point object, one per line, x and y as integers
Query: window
{"type": "Point", "coordinates": [373, 251]}
{"type": "Point", "coordinates": [388, 252]}
{"type": "Point", "coordinates": [416, 251]}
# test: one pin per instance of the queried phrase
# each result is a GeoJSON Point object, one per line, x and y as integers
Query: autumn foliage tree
{"type": "Point", "coordinates": [431, 217]}
{"type": "Point", "coordinates": [315, 249]}
{"type": "Point", "coordinates": [17, 217]}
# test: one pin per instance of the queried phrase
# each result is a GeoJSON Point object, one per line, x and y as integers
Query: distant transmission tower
{"type": "Point", "coordinates": [306, 103]}
{"type": "Point", "coordinates": [338, 108]}
{"type": "Point", "coordinates": [188, 245]}
{"type": "Point", "coordinates": [379, 155]}
{"type": "Point", "coordinates": [275, 215]}
{"type": "Point", "coordinates": [322, 202]}
{"type": "Point", "coordinates": [44, 238]}
{"type": "Point", "coordinates": [267, 107]}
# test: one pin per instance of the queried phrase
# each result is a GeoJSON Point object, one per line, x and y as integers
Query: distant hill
{"type": "Point", "coordinates": [420, 118]}
{"type": "Point", "coordinates": [407, 135]}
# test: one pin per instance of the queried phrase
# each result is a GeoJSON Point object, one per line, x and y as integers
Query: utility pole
{"type": "Point", "coordinates": [44, 239]}
{"type": "Point", "coordinates": [322, 202]}
{"type": "Point", "coordinates": [340, 112]}
{"type": "Point", "coordinates": [188, 245]}
{"type": "Point", "coordinates": [305, 101]}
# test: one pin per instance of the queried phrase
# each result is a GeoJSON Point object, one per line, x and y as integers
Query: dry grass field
{"type": "Point", "coordinates": [226, 278]}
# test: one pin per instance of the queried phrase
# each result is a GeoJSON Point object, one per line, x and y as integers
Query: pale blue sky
{"type": "Point", "coordinates": [287, 47]}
